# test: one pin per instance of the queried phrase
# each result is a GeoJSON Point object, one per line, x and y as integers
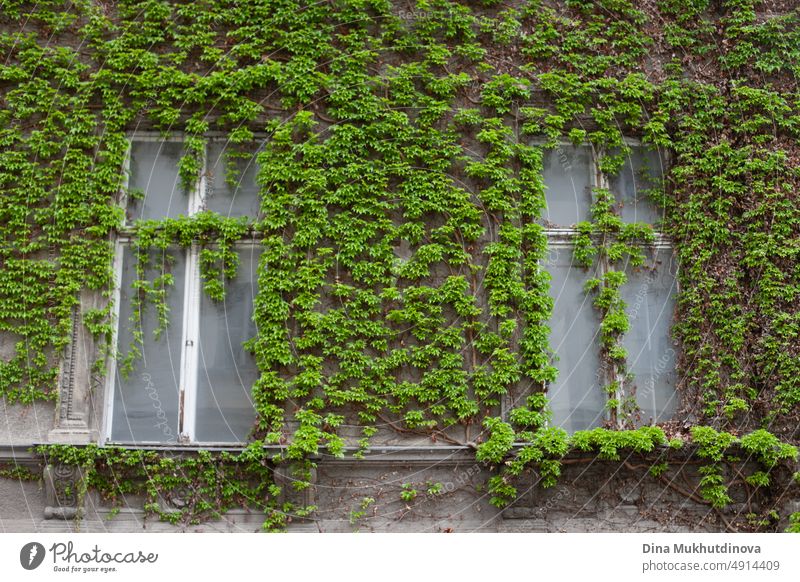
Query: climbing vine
{"type": "Point", "coordinates": [182, 490]}
{"type": "Point", "coordinates": [401, 284]}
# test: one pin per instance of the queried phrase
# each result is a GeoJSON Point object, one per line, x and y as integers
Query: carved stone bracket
{"type": "Point", "coordinates": [62, 491]}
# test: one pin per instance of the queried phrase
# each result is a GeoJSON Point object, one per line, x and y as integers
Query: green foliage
{"type": "Point", "coordinates": [794, 523]}
{"type": "Point", "coordinates": [402, 281]}
{"type": "Point", "coordinates": [658, 469]}
{"type": "Point", "coordinates": [500, 92]}
{"type": "Point", "coordinates": [408, 492]}
{"type": "Point", "coordinates": [758, 479]}
{"type": "Point", "coordinates": [434, 488]}
{"type": "Point", "coordinates": [713, 488]}
{"type": "Point", "coordinates": [762, 446]}
{"type": "Point", "coordinates": [767, 448]}
{"type": "Point", "coordinates": [608, 443]}
{"type": "Point", "coordinates": [184, 489]}
{"type": "Point", "coordinates": [18, 473]}
{"type": "Point", "coordinates": [499, 442]}
{"type": "Point", "coordinates": [361, 512]}
{"type": "Point", "coordinates": [710, 443]}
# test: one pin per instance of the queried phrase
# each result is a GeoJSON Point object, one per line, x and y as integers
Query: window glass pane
{"type": "Point", "coordinates": [146, 401]}
{"type": "Point", "coordinates": [568, 181]}
{"type": "Point", "coordinates": [642, 171]}
{"type": "Point", "coordinates": [154, 171]}
{"type": "Point", "coordinates": [576, 397]}
{"type": "Point", "coordinates": [649, 296]}
{"type": "Point", "coordinates": [234, 195]}
{"type": "Point", "coordinates": [227, 372]}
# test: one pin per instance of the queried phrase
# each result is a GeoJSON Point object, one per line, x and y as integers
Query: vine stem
{"type": "Point", "coordinates": [439, 434]}
{"type": "Point", "coordinates": [688, 494]}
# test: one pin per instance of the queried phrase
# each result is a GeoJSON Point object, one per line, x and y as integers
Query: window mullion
{"type": "Point", "coordinates": [191, 320]}
{"type": "Point", "coordinates": [612, 372]}
{"type": "Point", "coordinates": [197, 196]}
{"type": "Point", "coordinates": [190, 334]}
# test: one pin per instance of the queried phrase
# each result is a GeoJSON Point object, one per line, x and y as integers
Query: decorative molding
{"type": "Point", "coordinates": [62, 491]}
{"type": "Point", "coordinates": [67, 385]}
{"type": "Point", "coordinates": [71, 423]}
{"type": "Point", "coordinates": [21, 454]}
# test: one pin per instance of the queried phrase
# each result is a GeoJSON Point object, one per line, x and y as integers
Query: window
{"type": "Point", "coordinates": [191, 382]}
{"type": "Point", "coordinates": [579, 398]}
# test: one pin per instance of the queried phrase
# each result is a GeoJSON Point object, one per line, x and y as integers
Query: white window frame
{"type": "Point", "coordinates": [192, 296]}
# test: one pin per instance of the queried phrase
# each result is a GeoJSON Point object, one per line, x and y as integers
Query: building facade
{"type": "Point", "coordinates": [364, 265]}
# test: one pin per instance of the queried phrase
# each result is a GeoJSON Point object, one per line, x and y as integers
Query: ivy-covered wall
{"type": "Point", "coordinates": [413, 126]}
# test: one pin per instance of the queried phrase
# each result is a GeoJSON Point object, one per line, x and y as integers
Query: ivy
{"type": "Point", "coordinates": [182, 490]}
{"type": "Point", "coordinates": [401, 279]}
